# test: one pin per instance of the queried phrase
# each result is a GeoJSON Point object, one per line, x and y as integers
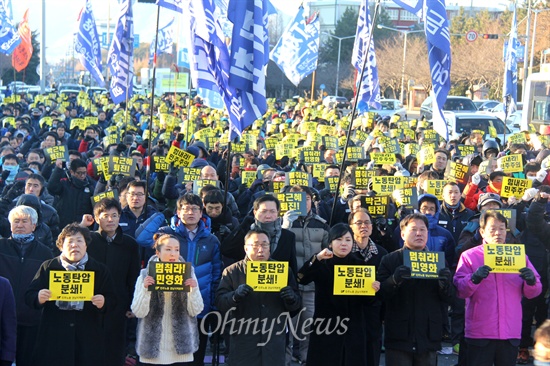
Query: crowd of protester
{"type": "Point", "coordinates": [66, 213]}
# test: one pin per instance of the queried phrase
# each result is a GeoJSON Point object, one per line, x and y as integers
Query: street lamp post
{"type": "Point", "coordinates": [338, 62]}
{"type": "Point", "coordinates": [536, 11]}
{"type": "Point", "coordinates": [405, 34]}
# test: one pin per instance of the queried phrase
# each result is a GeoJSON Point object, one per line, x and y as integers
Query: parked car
{"type": "Point", "coordinates": [336, 102]}
{"type": "Point", "coordinates": [498, 110]}
{"type": "Point", "coordinates": [453, 104]}
{"type": "Point", "coordinates": [390, 107]}
{"type": "Point", "coordinates": [459, 123]}
{"type": "Point", "coordinates": [485, 104]}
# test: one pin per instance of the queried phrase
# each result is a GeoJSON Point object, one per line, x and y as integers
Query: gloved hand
{"type": "Point", "coordinates": [512, 200]}
{"type": "Point", "coordinates": [223, 231]}
{"type": "Point", "coordinates": [529, 194]}
{"type": "Point", "coordinates": [401, 274]}
{"type": "Point", "coordinates": [121, 148]}
{"type": "Point", "coordinates": [445, 277]}
{"type": "Point", "coordinates": [481, 273]}
{"type": "Point", "coordinates": [545, 164]}
{"type": "Point", "coordinates": [476, 179]}
{"type": "Point", "coordinates": [5, 175]}
{"type": "Point", "coordinates": [88, 138]}
{"type": "Point", "coordinates": [370, 165]}
{"type": "Point", "coordinates": [349, 192]}
{"type": "Point", "coordinates": [287, 294]}
{"type": "Point", "coordinates": [242, 188]}
{"type": "Point", "coordinates": [528, 276]}
{"type": "Point", "coordinates": [179, 137]}
{"type": "Point", "coordinates": [398, 167]}
{"type": "Point", "coordinates": [241, 292]}
{"type": "Point", "coordinates": [288, 218]}
{"type": "Point", "coordinates": [541, 175]}
{"type": "Point", "coordinates": [173, 170]}
{"type": "Point", "coordinates": [161, 176]}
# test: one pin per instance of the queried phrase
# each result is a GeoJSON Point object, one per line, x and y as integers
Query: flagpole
{"type": "Point", "coordinates": [227, 170]}
{"type": "Point", "coordinates": [348, 134]}
{"type": "Point", "coordinates": [150, 147]}
{"type": "Point", "coordinates": [312, 85]}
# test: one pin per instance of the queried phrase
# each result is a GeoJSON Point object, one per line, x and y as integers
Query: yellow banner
{"type": "Point", "coordinates": [354, 280]}
{"type": "Point", "coordinates": [179, 157]}
{"type": "Point", "coordinates": [71, 285]}
{"type": "Point", "coordinates": [511, 163]}
{"type": "Point", "coordinates": [504, 258]}
{"type": "Point", "coordinates": [266, 276]}
{"type": "Point", "coordinates": [514, 187]}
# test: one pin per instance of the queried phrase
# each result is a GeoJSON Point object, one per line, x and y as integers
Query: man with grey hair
{"type": "Point", "coordinates": [20, 258]}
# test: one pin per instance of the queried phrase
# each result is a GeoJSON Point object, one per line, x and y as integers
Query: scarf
{"type": "Point", "coordinates": [79, 266]}
{"type": "Point", "coordinates": [368, 252]}
{"type": "Point", "coordinates": [272, 228]}
{"type": "Point", "coordinates": [451, 207]}
{"type": "Point", "coordinates": [24, 241]}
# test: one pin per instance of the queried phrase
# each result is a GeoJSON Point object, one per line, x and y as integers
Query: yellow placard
{"type": "Point", "coordinates": [511, 163]}
{"type": "Point", "coordinates": [504, 258]}
{"type": "Point", "coordinates": [384, 186]}
{"type": "Point", "coordinates": [266, 276]}
{"type": "Point", "coordinates": [383, 158]}
{"type": "Point", "coordinates": [426, 155]}
{"type": "Point", "coordinates": [424, 265]}
{"type": "Point", "coordinates": [435, 187]}
{"type": "Point", "coordinates": [248, 177]}
{"type": "Point", "coordinates": [517, 138]}
{"type": "Point", "coordinates": [354, 280]}
{"type": "Point", "coordinates": [71, 285]}
{"type": "Point", "coordinates": [169, 276]}
{"type": "Point", "coordinates": [514, 187]}
{"type": "Point", "coordinates": [179, 157]}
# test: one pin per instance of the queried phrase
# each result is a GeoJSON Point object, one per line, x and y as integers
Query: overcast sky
{"type": "Point", "coordinates": [61, 19]}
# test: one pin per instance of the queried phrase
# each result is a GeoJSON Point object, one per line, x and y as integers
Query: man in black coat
{"type": "Point", "coordinates": [413, 321]}
{"type": "Point", "coordinates": [266, 217]}
{"type": "Point", "coordinates": [119, 252]}
{"type": "Point", "coordinates": [21, 255]}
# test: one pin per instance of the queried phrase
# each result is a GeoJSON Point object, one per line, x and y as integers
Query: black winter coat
{"type": "Point", "coordinates": [70, 337]}
{"type": "Point", "coordinates": [413, 319]}
{"type": "Point", "coordinates": [20, 270]}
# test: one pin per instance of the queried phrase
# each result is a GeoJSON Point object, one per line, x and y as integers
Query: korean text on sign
{"type": "Point", "coordinates": [354, 280]}
{"type": "Point", "coordinates": [71, 285]}
{"type": "Point", "coordinates": [57, 152]}
{"type": "Point", "coordinates": [121, 165]}
{"type": "Point", "coordinates": [511, 163]}
{"type": "Point", "coordinates": [385, 186]}
{"type": "Point", "coordinates": [266, 276]}
{"type": "Point", "coordinates": [514, 187]}
{"type": "Point", "coordinates": [424, 264]}
{"type": "Point", "coordinates": [179, 157]}
{"type": "Point", "coordinates": [457, 172]}
{"type": "Point", "coordinates": [504, 258]}
{"type": "Point", "coordinates": [435, 187]}
{"type": "Point", "coordinates": [376, 205]}
{"type": "Point", "coordinates": [511, 216]}
{"type": "Point", "coordinates": [298, 179]}
{"type": "Point", "coordinates": [292, 201]}
{"type": "Point", "coordinates": [107, 194]}
{"type": "Point", "coordinates": [383, 158]}
{"type": "Point", "coordinates": [360, 177]}
{"type": "Point", "coordinates": [170, 276]}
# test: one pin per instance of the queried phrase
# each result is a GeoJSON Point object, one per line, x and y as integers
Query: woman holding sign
{"type": "Point", "coordinates": [167, 331]}
{"type": "Point", "coordinates": [338, 336]}
{"type": "Point", "coordinates": [71, 328]}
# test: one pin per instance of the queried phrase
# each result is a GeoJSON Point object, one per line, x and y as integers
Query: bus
{"type": "Point", "coordinates": [536, 103]}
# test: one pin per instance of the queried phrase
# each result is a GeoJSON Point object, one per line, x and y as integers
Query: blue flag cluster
{"type": "Point", "coordinates": [165, 41]}
{"type": "Point", "coordinates": [436, 28]}
{"type": "Point", "coordinates": [239, 78]}
{"type": "Point", "coordinates": [9, 36]}
{"type": "Point", "coordinates": [175, 5]}
{"type": "Point", "coordinates": [121, 52]}
{"type": "Point", "coordinates": [511, 69]}
{"type": "Point", "coordinates": [369, 91]}
{"type": "Point", "coordinates": [297, 51]}
{"type": "Point", "coordinates": [87, 44]}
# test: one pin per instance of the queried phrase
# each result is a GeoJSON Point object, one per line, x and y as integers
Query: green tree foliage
{"type": "Point", "coordinates": [29, 74]}
{"type": "Point", "coordinates": [346, 26]}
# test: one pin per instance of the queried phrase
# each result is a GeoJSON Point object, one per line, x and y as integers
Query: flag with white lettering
{"type": "Point", "coordinates": [414, 6]}
{"type": "Point", "coordinates": [88, 45]}
{"type": "Point", "coordinates": [370, 87]}
{"type": "Point", "coordinates": [511, 69]}
{"type": "Point", "coordinates": [9, 36]}
{"type": "Point", "coordinates": [175, 5]}
{"type": "Point", "coordinates": [22, 54]}
{"type": "Point", "coordinates": [249, 57]}
{"type": "Point", "coordinates": [165, 41]}
{"type": "Point", "coordinates": [297, 50]}
{"type": "Point", "coordinates": [121, 55]}
{"type": "Point", "coordinates": [209, 56]}
{"type": "Point", "coordinates": [436, 27]}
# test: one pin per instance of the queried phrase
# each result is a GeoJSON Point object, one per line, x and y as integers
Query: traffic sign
{"type": "Point", "coordinates": [471, 36]}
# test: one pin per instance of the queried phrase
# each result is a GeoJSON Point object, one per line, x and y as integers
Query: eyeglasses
{"type": "Point", "coordinates": [362, 223]}
{"type": "Point", "coordinates": [139, 195]}
{"type": "Point", "coordinates": [80, 174]}
{"type": "Point", "coordinates": [258, 246]}
{"type": "Point", "coordinates": [193, 209]}
{"type": "Point", "coordinates": [105, 216]}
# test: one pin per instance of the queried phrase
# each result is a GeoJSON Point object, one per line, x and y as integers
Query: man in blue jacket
{"type": "Point", "coordinates": [198, 246]}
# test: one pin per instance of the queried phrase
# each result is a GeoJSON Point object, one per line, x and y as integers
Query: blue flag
{"type": "Point", "coordinates": [436, 27]}
{"type": "Point", "coordinates": [120, 58]}
{"type": "Point", "coordinates": [370, 86]}
{"type": "Point", "coordinates": [9, 36]}
{"type": "Point", "coordinates": [511, 68]}
{"type": "Point", "coordinates": [413, 6]}
{"type": "Point", "coordinates": [88, 45]}
{"type": "Point", "coordinates": [209, 58]}
{"type": "Point", "coordinates": [249, 57]}
{"type": "Point", "coordinates": [297, 50]}
{"type": "Point", "coordinates": [175, 5]}
{"type": "Point", "coordinates": [165, 41]}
